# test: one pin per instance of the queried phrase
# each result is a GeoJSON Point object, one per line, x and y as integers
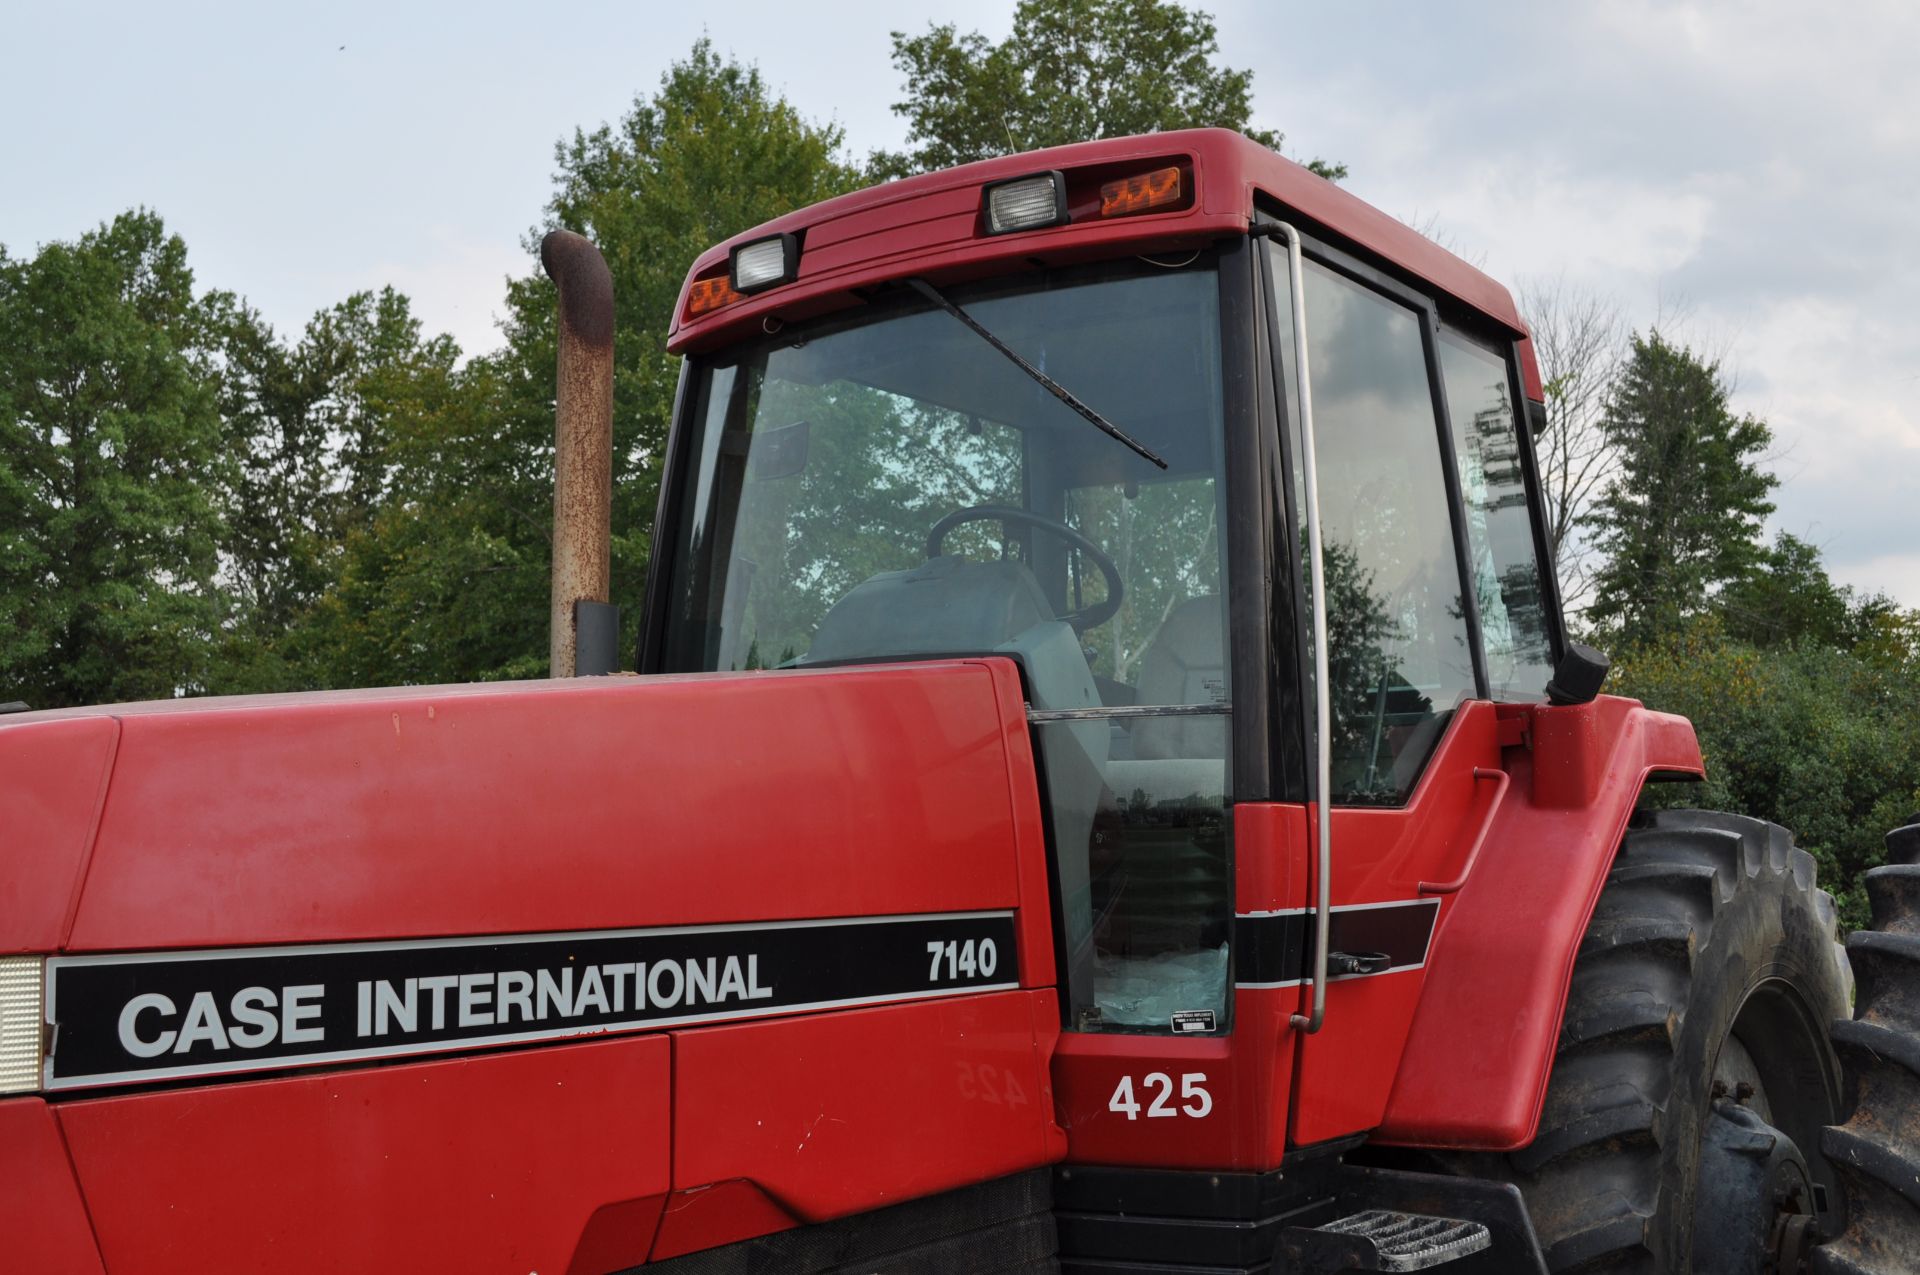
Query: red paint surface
{"type": "Point", "coordinates": [1475, 1067]}
{"type": "Point", "coordinates": [1249, 1073]}
{"type": "Point", "coordinates": [835, 1114]}
{"type": "Point", "coordinates": [560, 806]}
{"type": "Point", "coordinates": [1382, 855]}
{"type": "Point", "coordinates": [43, 1224]}
{"type": "Point", "coordinates": [709, 1216]}
{"type": "Point", "coordinates": [56, 778]}
{"type": "Point", "coordinates": [929, 225]}
{"type": "Point", "coordinates": [1028, 829]}
{"type": "Point", "coordinates": [1245, 1073]}
{"type": "Point", "coordinates": [615, 1233]}
{"type": "Point", "coordinates": [493, 1163]}
{"type": "Point", "coordinates": [588, 804]}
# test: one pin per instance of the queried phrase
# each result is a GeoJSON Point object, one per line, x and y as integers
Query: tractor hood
{"type": "Point", "coordinates": [558, 976]}
{"type": "Point", "coordinates": [526, 808]}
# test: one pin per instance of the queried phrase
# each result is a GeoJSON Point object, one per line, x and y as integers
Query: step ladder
{"type": "Point", "coordinates": [1383, 1240]}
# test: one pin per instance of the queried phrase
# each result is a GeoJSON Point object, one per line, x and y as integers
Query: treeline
{"type": "Point", "coordinates": [194, 503]}
{"type": "Point", "coordinates": [1805, 694]}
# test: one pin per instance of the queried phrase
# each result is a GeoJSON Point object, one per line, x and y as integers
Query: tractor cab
{"type": "Point", "coordinates": [1090, 461]}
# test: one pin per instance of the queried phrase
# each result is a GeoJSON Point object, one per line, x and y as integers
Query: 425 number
{"type": "Point", "coordinates": [1157, 1087]}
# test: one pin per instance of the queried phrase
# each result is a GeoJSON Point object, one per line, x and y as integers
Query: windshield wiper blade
{"type": "Point", "coordinates": [1046, 382]}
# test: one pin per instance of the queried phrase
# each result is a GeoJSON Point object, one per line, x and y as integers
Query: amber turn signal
{"type": "Point", "coordinates": [1156, 189]}
{"type": "Point", "coordinates": [707, 295]}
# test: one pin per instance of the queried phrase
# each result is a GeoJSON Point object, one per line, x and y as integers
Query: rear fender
{"type": "Point", "coordinates": [1474, 1072]}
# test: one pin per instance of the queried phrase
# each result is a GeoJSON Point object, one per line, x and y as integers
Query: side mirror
{"type": "Point", "coordinates": [1578, 676]}
{"type": "Point", "coordinates": [1537, 421]}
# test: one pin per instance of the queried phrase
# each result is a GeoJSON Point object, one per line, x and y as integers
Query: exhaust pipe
{"type": "Point", "coordinates": [584, 638]}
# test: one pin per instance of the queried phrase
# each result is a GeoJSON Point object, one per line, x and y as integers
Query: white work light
{"type": "Point", "coordinates": [765, 262]}
{"type": "Point", "coordinates": [1026, 203]}
{"type": "Point", "coordinates": [21, 1018]}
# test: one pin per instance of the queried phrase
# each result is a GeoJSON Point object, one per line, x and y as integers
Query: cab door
{"type": "Point", "coordinates": [1428, 580]}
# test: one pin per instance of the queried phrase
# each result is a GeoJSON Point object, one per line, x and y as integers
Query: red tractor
{"type": "Point", "coordinates": [1108, 790]}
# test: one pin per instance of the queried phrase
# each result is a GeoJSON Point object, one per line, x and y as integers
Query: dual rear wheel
{"type": "Point", "coordinates": [1876, 1153]}
{"type": "Point", "coordinates": [1694, 1116]}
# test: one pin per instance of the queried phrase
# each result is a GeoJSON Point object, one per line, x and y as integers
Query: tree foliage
{"type": "Point", "coordinates": [1821, 738]}
{"type": "Point", "coordinates": [414, 491]}
{"type": "Point", "coordinates": [1070, 71]}
{"type": "Point", "coordinates": [712, 152]}
{"type": "Point", "coordinates": [318, 430]}
{"type": "Point", "coordinates": [1681, 516]}
{"type": "Point", "coordinates": [111, 467]}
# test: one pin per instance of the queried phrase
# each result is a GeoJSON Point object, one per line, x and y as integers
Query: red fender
{"type": "Point", "coordinates": [1474, 1072]}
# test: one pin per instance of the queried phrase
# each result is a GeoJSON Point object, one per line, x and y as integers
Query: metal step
{"type": "Point", "coordinates": [1382, 1240]}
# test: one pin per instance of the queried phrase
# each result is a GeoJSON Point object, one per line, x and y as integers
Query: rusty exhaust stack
{"type": "Point", "coordinates": [585, 632]}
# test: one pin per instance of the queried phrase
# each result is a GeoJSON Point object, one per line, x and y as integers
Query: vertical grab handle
{"type": "Point", "coordinates": [1322, 695]}
{"type": "Point", "coordinates": [1501, 780]}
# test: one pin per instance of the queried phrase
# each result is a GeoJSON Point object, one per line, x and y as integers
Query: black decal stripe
{"type": "Point", "coordinates": [1269, 950]}
{"type": "Point", "coordinates": [541, 984]}
{"type": "Point", "coordinates": [1275, 949]}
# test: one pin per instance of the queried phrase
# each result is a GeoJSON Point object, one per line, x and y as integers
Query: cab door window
{"type": "Point", "coordinates": [1399, 646]}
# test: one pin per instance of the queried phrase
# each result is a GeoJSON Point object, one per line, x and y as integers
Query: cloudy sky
{"type": "Point", "coordinates": [1755, 168]}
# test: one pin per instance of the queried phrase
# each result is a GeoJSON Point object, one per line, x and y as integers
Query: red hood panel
{"type": "Point", "coordinates": [53, 776]}
{"type": "Point", "coordinates": [597, 803]}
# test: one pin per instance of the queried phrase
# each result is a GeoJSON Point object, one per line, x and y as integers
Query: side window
{"type": "Point", "coordinates": [1505, 568]}
{"type": "Point", "coordinates": [1398, 644]}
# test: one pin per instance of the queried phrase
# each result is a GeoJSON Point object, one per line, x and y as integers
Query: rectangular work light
{"type": "Point", "coordinates": [1026, 203]}
{"type": "Point", "coordinates": [22, 1017]}
{"type": "Point", "coordinates": [764, 263]}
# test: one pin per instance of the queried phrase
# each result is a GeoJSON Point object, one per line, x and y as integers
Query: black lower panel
{"type": "Point", "coordinates": [1126, 1221]}
{"type": "Point", "coordinates": [1002, 1227]}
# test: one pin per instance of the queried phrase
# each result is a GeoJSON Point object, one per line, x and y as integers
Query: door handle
{"type": "Point", "coordinates": [1358, 962]}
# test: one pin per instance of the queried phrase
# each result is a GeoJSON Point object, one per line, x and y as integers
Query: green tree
{"type": "Point", "coordinates": [428, 514]}
{"type": "Point", "coordinates": [713, 151]}
{"type": "Point", "coordinates": [312, 430]}
{"type": "Point", "coordinates": [445, 578]}
{"type": "Point", "coordinates": [1821, 739]}
{"type": "Point", "coordinates": [111, 469]}
{"type": "Point", "coordinates": [1788, 598]}
{"type": "Point", "coordinates": [1071, 71]}
{"type": "Point", "coordinates": [343, 438]}
{"type": "Point", "coordinates": [1681, 515]}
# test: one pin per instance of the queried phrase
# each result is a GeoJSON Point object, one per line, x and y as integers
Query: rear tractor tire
{"type": "Point", "coordinates": [1693, 1075]}
{"type": "Point", "coordinates": [1877, 1151]}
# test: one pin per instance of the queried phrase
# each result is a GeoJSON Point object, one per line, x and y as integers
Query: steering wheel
{"type": "Point", "coordinates": [1086, 617]}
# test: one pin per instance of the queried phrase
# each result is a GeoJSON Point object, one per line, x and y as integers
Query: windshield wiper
{"type": "Point", "coordinates": [1046, 382]}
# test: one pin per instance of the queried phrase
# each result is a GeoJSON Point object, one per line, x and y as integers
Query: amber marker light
{"type": "Point", "coordinates": [708, 295]}
{"type": "Point", "coordinates": [1136, 194]}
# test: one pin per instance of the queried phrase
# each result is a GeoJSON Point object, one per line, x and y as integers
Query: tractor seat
{"type": "Point", "coordinates": [1184, 664]}
{"type": "Point", "coordinates": [944, 606]}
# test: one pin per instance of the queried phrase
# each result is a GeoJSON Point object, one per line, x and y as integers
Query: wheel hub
{"type": "Point", "coordinates": [1755, 1210]}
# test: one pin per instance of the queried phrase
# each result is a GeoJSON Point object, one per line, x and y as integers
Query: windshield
{"type": "Point", "coordinates": [895, 487]}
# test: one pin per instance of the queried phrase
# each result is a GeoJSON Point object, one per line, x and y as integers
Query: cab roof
{"type": "Point", "coordinates": [931, 226]}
